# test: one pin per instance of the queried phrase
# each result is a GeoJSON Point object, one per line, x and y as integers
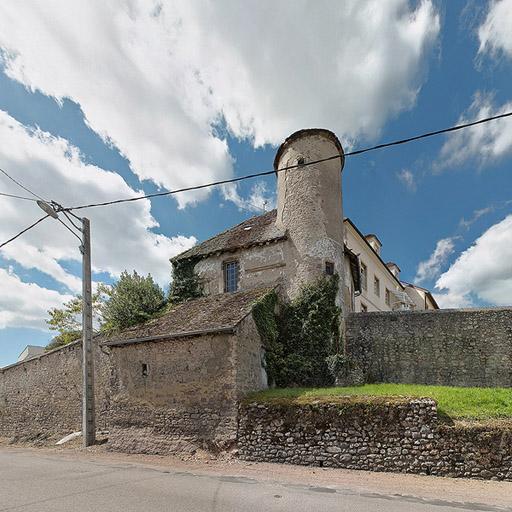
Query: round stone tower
{"type": "Point", "coordinates": [309, 207]}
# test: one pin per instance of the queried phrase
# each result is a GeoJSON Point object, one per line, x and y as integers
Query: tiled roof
{"type": "Point", "coordinates": [195, 317]}
{"type": "Point", "coordinates": [254, 231]}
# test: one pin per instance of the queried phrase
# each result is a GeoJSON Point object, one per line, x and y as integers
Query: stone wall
{"type": "Point", "coordinates": [259, 266]}
{"type": "Point", "coordinates": [399, 435]}
{"type": "Point", "coordinates": [446, 347]}
{"type": "Point", "coordinates": [40, 399]}
{"type": "Point", "coordinates": [186, 395]}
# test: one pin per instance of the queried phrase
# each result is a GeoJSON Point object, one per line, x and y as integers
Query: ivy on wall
{"type": "Point", "coordinates": [186, 284]}
{"type": "Point", "coordinates": [302, 339]}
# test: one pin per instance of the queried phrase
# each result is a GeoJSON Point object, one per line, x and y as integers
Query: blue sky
{"type": "Point", "coordinates": [142, 96]}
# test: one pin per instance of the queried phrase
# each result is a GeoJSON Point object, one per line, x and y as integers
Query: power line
{"type": "Point", "coordinates": [24, 231]}
{"type": "Point", "coordinates": [69, 229]}
{"type": "Point", "coordinates": [17, 197]}
{"type": "Point", "coordinates": [289, 167]}
{"type": "Point", "coordinates": [22, 186]}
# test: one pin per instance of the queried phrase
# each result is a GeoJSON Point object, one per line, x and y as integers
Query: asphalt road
{"type": "Point", "coordinates": [41, 482]}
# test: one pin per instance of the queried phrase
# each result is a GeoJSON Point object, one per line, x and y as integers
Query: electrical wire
{"type": "Point", "coordinates": [24, 231]}
{"type": "Point", "coordinates": [22, 186]}
{"type": "Point", "coordinates": [17, 197]}
{"type": "Point", "coordinates": [69, 229]}
{"type": "Point", "coordinates": [289, 167]}
{"type": "Point", "coordinates": [67, 214]}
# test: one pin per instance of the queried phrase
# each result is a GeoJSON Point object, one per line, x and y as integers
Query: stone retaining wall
{"type": "Point", "coordinates": [470, 347]}
{"type": "Point", "coordinates": [399, 435]}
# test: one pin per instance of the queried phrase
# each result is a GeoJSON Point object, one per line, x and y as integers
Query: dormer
{"type": "Point", "coordinates": [394, 268]}
{"type": "Point", "coordinates": [374, 242]}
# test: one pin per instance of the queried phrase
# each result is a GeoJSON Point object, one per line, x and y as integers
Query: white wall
{"type": "Point", "coordinates": [375, 267]}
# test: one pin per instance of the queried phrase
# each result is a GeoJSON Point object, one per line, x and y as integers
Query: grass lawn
{"type": "Point", "coordinates": [457, 403]}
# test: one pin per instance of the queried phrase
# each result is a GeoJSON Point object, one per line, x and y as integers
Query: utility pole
{"type": "Point", "coordinates": [88, 407]}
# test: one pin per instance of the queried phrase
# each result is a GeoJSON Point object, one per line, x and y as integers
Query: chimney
{"type": "Point", "coordinates": [395, 269]}
{"type": "Point", "coordinates": [309, 207]}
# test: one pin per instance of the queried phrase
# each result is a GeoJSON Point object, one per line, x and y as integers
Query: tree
{"type": "Point", "coordinates": [132, 300]}
{"type": "Point", "coordinates": [186, 284]}
{"type": "Point", "coordinates": [68, 319]}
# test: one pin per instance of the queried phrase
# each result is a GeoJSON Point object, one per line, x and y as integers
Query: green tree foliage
{"type": "Point", "coordinates": [67, 321]}
{"type": "Point", "coordinates": [186, 284]}
{"type": "Point", "coordinates": [301, 338]}
{"type": "Point", "coordinates": [133, 299]}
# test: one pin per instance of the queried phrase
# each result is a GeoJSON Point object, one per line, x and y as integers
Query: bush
{"type": "Point", "coordinates": [133, 299]}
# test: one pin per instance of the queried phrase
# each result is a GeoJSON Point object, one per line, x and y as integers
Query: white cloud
{"type": "Point", "coordinates": [431, 267]}
{"type": "Point", "coordinates": [484, 270]}
{"type": "Point", "coordinates": [121, 234]}
{"type": "Point", "coordinates": [407, 178]}
{"type": "Point", "coordinates": [26, 304]}
{"type": "Point", "coordinates": [467, 223]}
{"type": "Point", "coordinates": [481, 144]}
{"type": "Point", "coordinates": [259, 200]}
{"type": "Point", "coordinates": [453, 300]}
{"type": "Point", "coordinates": [495, 33]}
{"type": "Point", "coordinates": [154, 78]}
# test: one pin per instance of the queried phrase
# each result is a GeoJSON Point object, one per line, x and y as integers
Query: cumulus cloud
{"type": "Point", "coordinates": [17, 311]}
{"type": "Point", "coordinates": [407, 178]}
{"type": "Point", "coordinates": [122, 236]}
{"type": "Point", "coordinates": [431, 267]}
{"type": "Point", "coordinates": [482, 144]}
{"type": "Point", "coordinates": [155, 78]}
{"type": "Point", "coordinates": [495, 33]}
{"type": "Point", "coordinates": [484, 270]}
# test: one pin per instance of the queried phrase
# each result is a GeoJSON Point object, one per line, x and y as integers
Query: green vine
{"type": "Point", "coordinates": [300, 339]}
{"type": "Point", "coordinates": [186, 284]}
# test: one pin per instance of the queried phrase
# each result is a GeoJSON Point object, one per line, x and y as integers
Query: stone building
{"type": "Point", "coordinates": [176, 380]}
{"type": "Point", "coordinates": [304, 238]}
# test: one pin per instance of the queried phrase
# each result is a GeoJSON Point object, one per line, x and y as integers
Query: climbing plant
{"type": "Point", "coordinates": [303, 336]}
{"type": "Point", "coordinates": [186, 284]}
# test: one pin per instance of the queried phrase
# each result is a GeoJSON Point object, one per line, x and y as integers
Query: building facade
{"type": "Point", "coordinates": [304, 238]}
{"type": "Point", "coordinates": [381, 288]}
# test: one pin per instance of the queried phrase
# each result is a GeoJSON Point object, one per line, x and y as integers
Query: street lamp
{"type": "Point", "coordinates": [88, 406]}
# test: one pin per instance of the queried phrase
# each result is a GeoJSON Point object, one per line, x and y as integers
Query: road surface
{"type": "Point", "coordinates": [41, 481]}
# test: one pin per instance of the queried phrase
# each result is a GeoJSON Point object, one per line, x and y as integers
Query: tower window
{"type": "Point", "coordinates": [145, 370]}
{"type": "Point", "coordinates": [329, 268]}
{"type": "Point", "coordinates": [231, 275]}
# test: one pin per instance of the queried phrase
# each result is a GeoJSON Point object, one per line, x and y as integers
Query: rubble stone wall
{"type": "Point", "coordinates": [41, 398]}
{"type": "Point", "coordinates": [399, 435]}
{"type": "Point", "coordinates": [470, 347]}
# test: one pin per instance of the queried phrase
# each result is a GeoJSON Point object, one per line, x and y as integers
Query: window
{"type": "Point", "coordinates": [231, 272]}
{"type": "Point", "coordinates": [376, 286]}
{"type": "Point", "coordinates": [145, 370]}
{"type": "Point", "coordinates": [329, 268]}
{"type": "Point", "coordinates": [364, 276]}
{"type": "Point", "coordinates": [364, 308]}
{"type": "Point", "coordinates": [388, 297]}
